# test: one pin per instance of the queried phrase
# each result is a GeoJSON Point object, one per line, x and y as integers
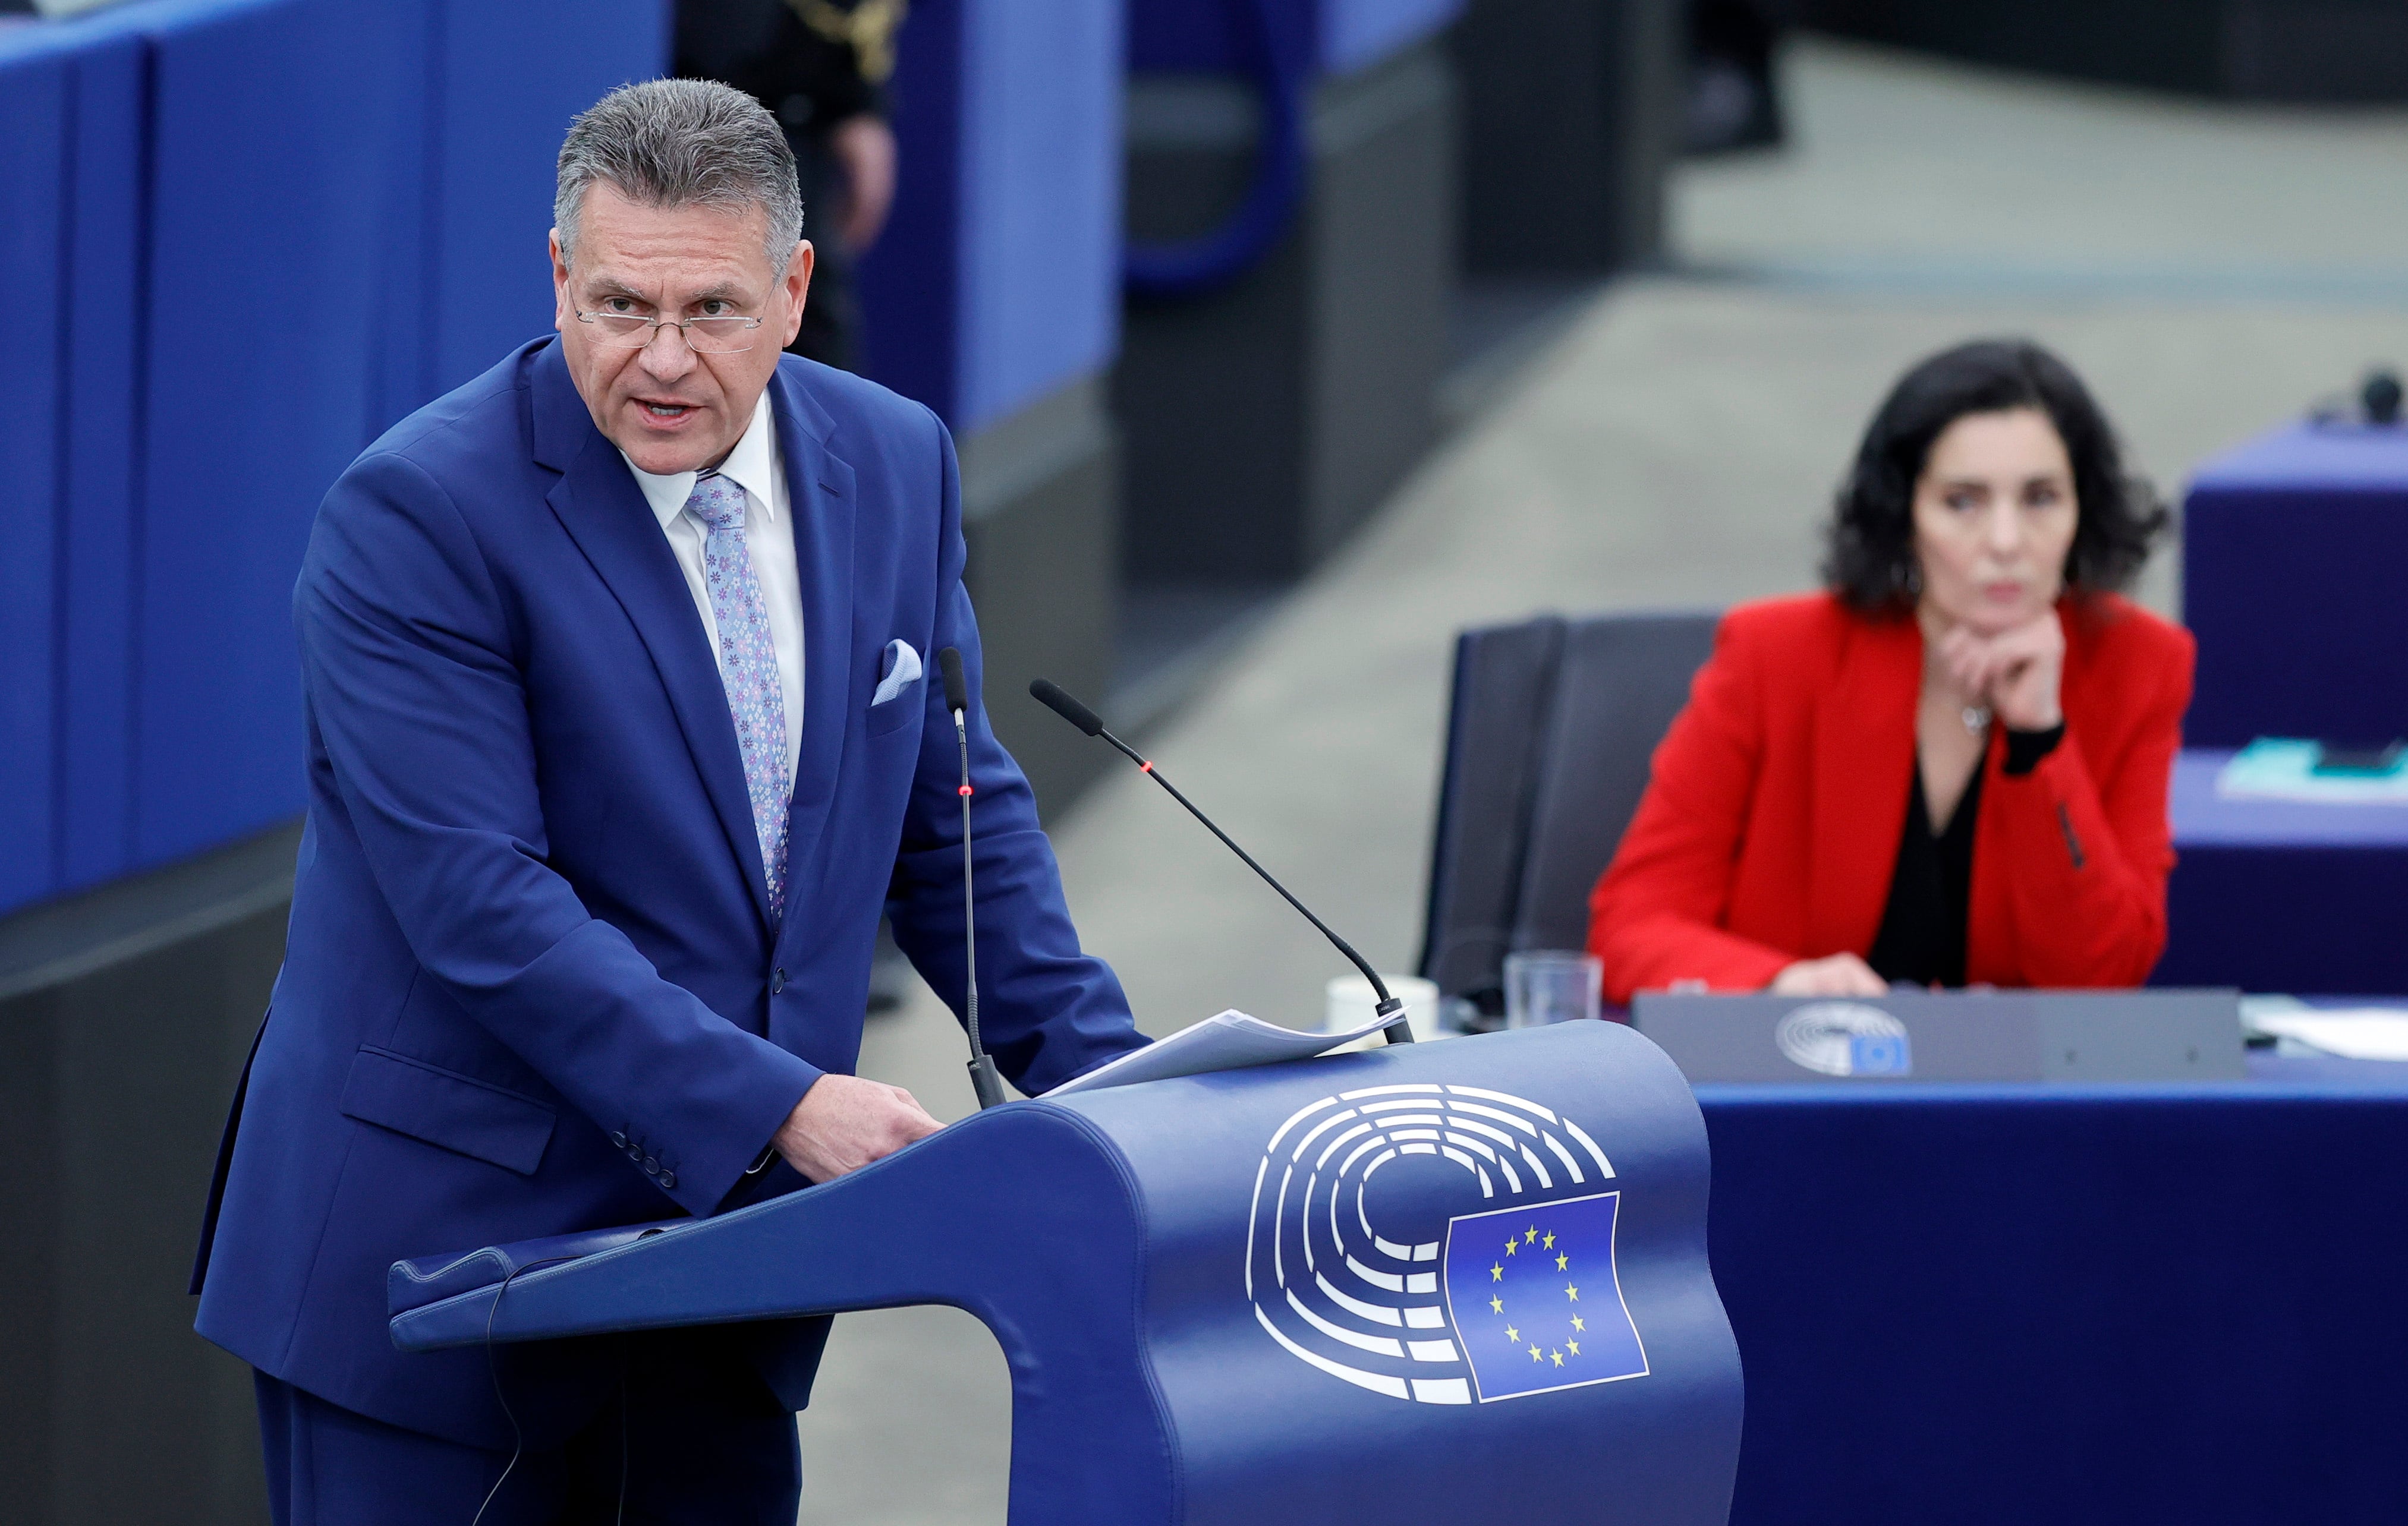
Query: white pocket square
{"type": "Point", "coordinates": [902, 671]}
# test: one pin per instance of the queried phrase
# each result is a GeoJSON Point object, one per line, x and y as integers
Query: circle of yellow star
{"type": "Point", "coordinates": [1572, 1293]}
{"type": "Point", "coordinates": [1496, 1273]}
{"type": "Point", "coordinates": [1512, 1245]}
{"type": "Point", "coordinates": [1579, 1323]}
{"type": "Point", "coordinates": [1513, 1335]}
{"type": "Point", "coordinates": [1562, 1261]}
{"type": "Point", "coordinates": [1534, 1353]}
{"type": "Point", "coordinates": [1530, 1233]}
{"type": "Point", "coordinates": [1573, 1347]}
{"type": "Point", "coordinates": [1496, 1306]}
{"type": "Point", "coordinates": [1559, 1356]}
{"type": "Point", "coordinates": [1551, 1240]}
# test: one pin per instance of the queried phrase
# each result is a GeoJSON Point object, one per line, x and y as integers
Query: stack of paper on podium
{"type": "Point", "coordinates": [1228, 1040]}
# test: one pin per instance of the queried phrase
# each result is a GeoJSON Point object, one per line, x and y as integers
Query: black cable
{"type": "Point", "coordinates": [493, 1371]}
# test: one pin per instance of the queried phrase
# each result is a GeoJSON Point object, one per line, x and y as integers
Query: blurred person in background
{"type": "Point", "coordinates": [820, 66]}
{"type": "Point", "coordinates": [1950, 766]}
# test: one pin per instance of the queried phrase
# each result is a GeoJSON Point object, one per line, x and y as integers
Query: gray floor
{"type": "Point", "coordinates": [2211, 270]}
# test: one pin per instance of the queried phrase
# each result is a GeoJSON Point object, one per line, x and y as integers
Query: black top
{"type": "Point", "coordinates": [813, 64]}
{"type": "Point", "coordinates": [803, 73]}
{"type": "Point", "coordinates": [1922, 937]}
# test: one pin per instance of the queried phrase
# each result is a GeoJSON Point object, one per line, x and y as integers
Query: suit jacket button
{"type": "Point", "coordinates": [651, 1165]}
{"type": "Point", "coordinates": [668, 1181]}
{"type": "Point", "coordinates": [776, 982]}
{"type": "Point", "coordinates": [618, 1140]}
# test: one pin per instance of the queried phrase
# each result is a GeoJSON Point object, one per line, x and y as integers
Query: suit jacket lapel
{"type": "Point", "coordinates": [1864, 762]}
{"type": "Point", "coordinates": [599, 503]}
{"type": "Point", "coordinates": [820, 493]}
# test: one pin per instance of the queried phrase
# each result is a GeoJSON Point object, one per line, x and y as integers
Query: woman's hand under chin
{"type": "Point", "coordinates": [2015, 672]}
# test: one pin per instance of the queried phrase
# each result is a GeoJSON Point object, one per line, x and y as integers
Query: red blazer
{"type": "Point", "coordinates": [1771, 820]}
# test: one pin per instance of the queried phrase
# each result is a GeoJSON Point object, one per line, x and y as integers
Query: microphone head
{"type": "Point", "coordinates": [2380, 396]}
{"type": "Point", "coordinates": [1050, 694]}
{"type": "Point", "coordinates": [957, 689]}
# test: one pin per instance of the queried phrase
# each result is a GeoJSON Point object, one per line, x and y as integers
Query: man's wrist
{"type": "Point", "coordinates": [779, 1141]}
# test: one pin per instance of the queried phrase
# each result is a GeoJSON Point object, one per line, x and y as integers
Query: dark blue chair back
{"type": "Point", "coordinates": [1549, 736]}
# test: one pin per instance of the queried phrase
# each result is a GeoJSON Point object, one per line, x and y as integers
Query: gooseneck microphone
{"type": "Point", "coordinates": [1052, 696]}
{"type": "Point", "coordinates": [984, 1078]}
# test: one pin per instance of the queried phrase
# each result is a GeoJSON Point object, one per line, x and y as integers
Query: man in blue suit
{"type": "Point", "coordinates": [622, 738]}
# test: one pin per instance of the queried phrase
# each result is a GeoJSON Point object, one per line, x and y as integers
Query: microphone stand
{"type": "Point", "coordinates": [1056, 699]}
{"type": "Point", "coordinates": [983, 1077]}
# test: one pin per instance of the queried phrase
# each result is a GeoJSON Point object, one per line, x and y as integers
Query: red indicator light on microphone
{"type": "Point", "coordinates": [1145, 768]}
{"type": "Point", "coordinates": [966, 789]}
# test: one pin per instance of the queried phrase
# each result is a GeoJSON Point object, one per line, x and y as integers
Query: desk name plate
{"type": "Point", "coordinates": [1971, 1035]}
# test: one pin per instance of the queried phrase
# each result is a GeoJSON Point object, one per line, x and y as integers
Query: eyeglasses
{"type": "Point", "coordinates": [703, 335]}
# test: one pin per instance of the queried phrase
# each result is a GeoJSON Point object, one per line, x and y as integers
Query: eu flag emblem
{"type": "Point", "coordinates": [1534, 1295]}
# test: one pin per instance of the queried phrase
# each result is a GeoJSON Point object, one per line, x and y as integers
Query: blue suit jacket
{"type": "Point", "coordinates": [532, 986]}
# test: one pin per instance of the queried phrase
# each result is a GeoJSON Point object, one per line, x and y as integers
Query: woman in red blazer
{"type": "Point", "coordinates": [1951, 766]}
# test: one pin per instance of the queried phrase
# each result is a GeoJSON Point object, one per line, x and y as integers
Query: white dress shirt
{"type": "Point", "coordinates": [758, 467]}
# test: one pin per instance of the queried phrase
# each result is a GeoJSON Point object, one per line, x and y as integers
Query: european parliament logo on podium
{"type": "Point", "coordinates": [1515, 1295]}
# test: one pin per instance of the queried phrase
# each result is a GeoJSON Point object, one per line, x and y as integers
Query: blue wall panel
{"type": "Point", "coordinates": [35, 91]}
{"type": "Point", "coordinates": [264, 295]}
{"type": "Point", "coordinates": [1040, 200]}
{"type": "Point", "coordinates": [999, 277]}
{"type": "Point", "coordinates": [511, 78]}
{"type": "Point", "coordinates": [105, 239]}
{"type": "Point", "coordinates": [910, 281]}
{"type": "Point", "coordinates": [1216, 35]}
{"type": "Point", "coordinates": [1356, 33]}
{"type": "Point", "coordinates": [398, 363]}
{"type": "Point", "coordinates": [240, 238]}
{"type": "Point", "coordinates": [1339, 36]}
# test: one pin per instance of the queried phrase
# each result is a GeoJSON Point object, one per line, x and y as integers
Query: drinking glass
{"type": "Point", "coordinates": [1551, 985]}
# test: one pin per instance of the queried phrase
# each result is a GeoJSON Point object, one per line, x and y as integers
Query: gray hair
{"type": "Point", "coordinates": [682, 143]}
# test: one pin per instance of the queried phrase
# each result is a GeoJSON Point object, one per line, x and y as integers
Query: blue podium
{"type": "Point", "coordinates": [1462, 1281]}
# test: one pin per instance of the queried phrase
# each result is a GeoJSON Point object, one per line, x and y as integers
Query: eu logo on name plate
{"type": "Point", "coordinates": [1535, 1299]}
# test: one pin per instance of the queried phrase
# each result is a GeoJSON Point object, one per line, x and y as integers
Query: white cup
{"type": "Point", "coordinates": [1350, 1003]}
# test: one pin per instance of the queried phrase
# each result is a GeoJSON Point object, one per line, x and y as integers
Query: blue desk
{"type": "Point", "coordinates": [2282, 894]}
{"type": "Point", "coordinates": [2292, 546]}
{"type": "Point", "coordinates": [1982, 1305]}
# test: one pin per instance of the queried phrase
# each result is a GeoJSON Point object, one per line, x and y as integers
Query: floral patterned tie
{"type": "Point", "coordinates": [748, 668]}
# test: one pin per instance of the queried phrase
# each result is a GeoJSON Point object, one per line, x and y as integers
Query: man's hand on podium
{"type": "Point", "coordinates": [844, 1122]}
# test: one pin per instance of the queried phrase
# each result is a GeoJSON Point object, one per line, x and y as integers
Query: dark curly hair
{"type": "Point", "coordinates": [1871, 558]}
